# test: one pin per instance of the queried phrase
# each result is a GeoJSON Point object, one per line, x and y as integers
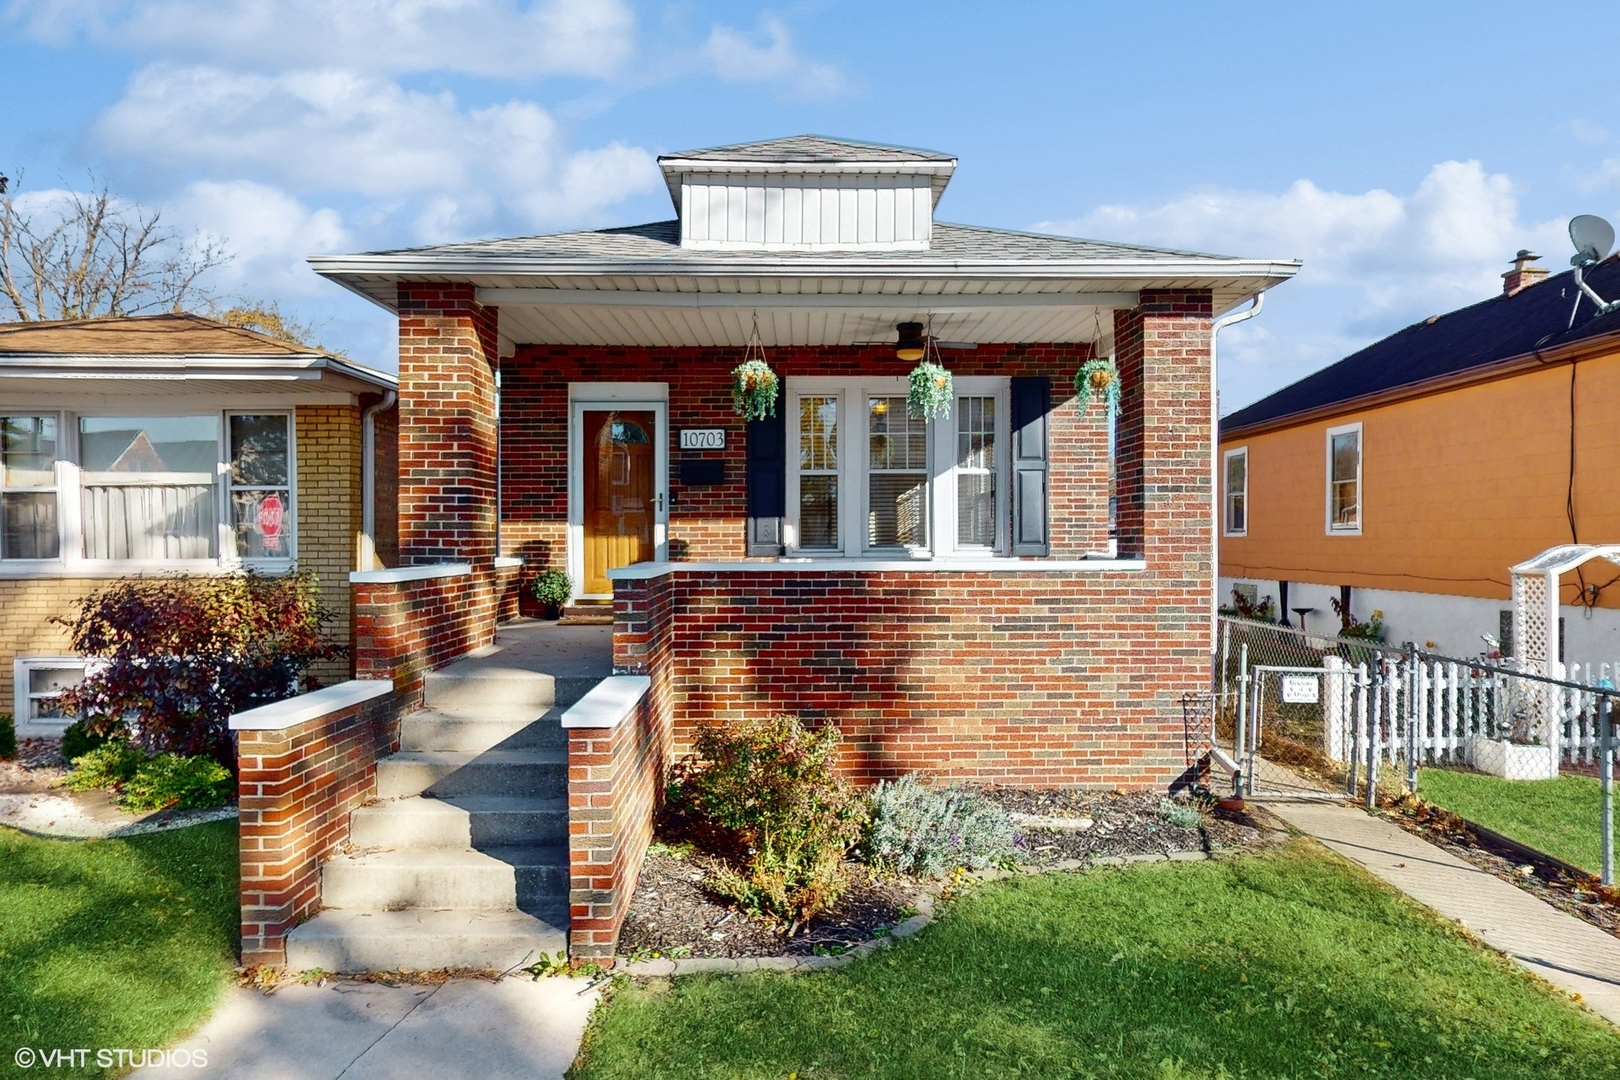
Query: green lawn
{"type": "Point", "coordinates": [1562, 817]}
{"type": "Point", "coordinates": [113, 943]}
{"type": "Point", "coordinates": [1289, 964]}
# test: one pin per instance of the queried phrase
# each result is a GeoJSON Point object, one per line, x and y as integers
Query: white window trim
{"type": "Point", "coordinates": [227, 534]}
{"type": "Point", "coordinates": [1226, 492]}
{"type": "Point", "coordinates": [69, 494]}
{"type": "Point", "coordinates": [20, 667]}
{"type": "Point", "coordinates": [853, 456]}
{"type": "Point", "coordinates": [944, 479]}
{"type": "Point", "coordinates": [1327, 486]}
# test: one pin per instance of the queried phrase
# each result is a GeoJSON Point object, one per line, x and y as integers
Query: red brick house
{"type": "Point", "coordinates": [952, 593]}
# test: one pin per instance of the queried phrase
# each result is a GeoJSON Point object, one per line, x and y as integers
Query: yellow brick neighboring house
{"type": "Point", "coordinates": [175, 444]}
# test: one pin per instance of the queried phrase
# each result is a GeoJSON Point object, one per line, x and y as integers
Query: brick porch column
{"type": "Point", "coordinates": [447, 436]}
{"type": "Point", "coordinates": [1164, 446]}
{"type": "Point", "coordinates": [448, 351]}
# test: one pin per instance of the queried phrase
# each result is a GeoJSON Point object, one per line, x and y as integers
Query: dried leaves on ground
{"type": "Point", "coordinates": [1577, 894]}
{"type": "Point", "coordinates": [37, 767]}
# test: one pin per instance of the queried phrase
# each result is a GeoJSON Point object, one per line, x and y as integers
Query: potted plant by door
{"type": "Point", "coordinates": [552, 589]}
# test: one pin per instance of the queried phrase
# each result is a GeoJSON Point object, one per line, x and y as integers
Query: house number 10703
{"type": "Point", "coordinates": [703, 438]}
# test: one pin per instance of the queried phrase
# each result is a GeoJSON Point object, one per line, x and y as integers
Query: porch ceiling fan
{"type": "Point", "coordinates": [912, 339]}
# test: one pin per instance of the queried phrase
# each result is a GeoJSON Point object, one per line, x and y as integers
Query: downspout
{"type": "Point", "coordinates": [1218, 500]}
{"type": "Point", "coordinates": [366, 557]}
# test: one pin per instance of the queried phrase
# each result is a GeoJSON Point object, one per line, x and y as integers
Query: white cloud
{"type": "Point", "coordinates": [268, 231]}
{"type": "Point", "coordinates": [770, 56]}
{"type": "Point", "coordinates": [1374, 261]}
{"type": "Point", "coordinates": [337, 131]}
{"type": "Point", "coordinates": [484, 38]}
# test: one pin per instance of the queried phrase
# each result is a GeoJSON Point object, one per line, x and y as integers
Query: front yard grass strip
{"type": "Point", "coordinates": [1291, 963]}
{"type": "Point", "coordinates": [123, 943]}
{"type": "Point", "coordinates": [1562, 816]}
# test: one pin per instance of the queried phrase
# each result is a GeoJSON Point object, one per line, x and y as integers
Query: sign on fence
{"type": "Point", "coordinates": [1301, 689]}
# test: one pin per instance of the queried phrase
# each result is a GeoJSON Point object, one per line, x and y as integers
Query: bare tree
{"type": "Point", "coordinates": [87, 254]}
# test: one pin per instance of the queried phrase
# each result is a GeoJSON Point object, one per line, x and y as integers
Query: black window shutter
{"type": "Point", "coordinates": [767, 482]}
{"type": "Point", "coordinates": [1031, 400]}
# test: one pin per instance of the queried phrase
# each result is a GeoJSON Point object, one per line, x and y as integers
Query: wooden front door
{"type": "Point", "coordinates": [619, 492]}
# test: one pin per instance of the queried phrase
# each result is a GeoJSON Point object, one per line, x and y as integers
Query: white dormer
{"type": "Point", "coordinates": [807, 193]}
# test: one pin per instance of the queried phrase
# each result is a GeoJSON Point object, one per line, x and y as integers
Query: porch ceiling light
{"type": "Point", "coordinates": [911, 345]}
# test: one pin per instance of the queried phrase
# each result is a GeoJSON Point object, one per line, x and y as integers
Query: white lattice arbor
{"type": "Point", "coordinates": [1535, 599]}
{"type": "Point", "coordinates": [1535, 625]}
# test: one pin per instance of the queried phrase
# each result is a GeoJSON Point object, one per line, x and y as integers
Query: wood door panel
{"type": "Point", "coordinates": [619, 492]}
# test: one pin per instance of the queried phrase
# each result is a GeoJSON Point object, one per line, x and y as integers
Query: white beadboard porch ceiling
{"type": "Point", "coordinates": [697, 318]}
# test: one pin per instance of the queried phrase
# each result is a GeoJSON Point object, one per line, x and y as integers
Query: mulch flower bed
{"type": "Point", "coordinates": [674, 916]}
{"type": "Point", "coordinates": [1051, 826]}
{"type": "Point", "coordinates": [37, 766]}
{"type": "Point", "coordinates": [1577, 894]}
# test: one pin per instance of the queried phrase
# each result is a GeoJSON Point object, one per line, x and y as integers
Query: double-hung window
{"type": "Point", "coordinates": [29, 525]}
{"type": "Point", "coordinates": [1237, 492]}
{"type": "Point", "coordinates": [1344, 479]}
{"type": "Point", "coordinates": [260, 485]}
{"type": "Point", "coordinates": [867, 478]}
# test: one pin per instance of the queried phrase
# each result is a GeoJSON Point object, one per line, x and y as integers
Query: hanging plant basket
{"type": "Point", "coordinates": [1098, 377]}
{"type": "Point", "coordinates": [929, 397]}
{"type": "Point", "coordinates": [753, 389]}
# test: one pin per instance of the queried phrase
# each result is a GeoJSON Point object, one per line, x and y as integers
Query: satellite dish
{"type": "Point", "coordinates": [1593, 239]}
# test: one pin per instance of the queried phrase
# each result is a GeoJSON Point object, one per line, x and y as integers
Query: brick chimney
{"type": "Point", "coordinates": [1523, 275]}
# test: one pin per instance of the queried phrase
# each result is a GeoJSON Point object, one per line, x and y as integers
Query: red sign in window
{"type": "Point", "coordinates": [270, 519]}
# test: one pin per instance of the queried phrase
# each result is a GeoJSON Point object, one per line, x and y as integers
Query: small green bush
{"type": "Point", "coordinates": [110, 765]}
{"type": "Point", "coordinates": [8, 737]}
{"type": "Point", "coordinates": [929, 831]}
{"type": "Point", "coordinates": [1180, 814]}
{"type": "Point", "coordinates": [183, 783]}
{"type": "Point", "coordinates": [553, 588]}
{"type": "Point", "coordinates": [764, 793]}
{"type": "Point", "coordinates": [78, 740]}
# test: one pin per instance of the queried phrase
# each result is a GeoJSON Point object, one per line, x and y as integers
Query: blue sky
{"type": "Point", "coordinates": [1404, 151]}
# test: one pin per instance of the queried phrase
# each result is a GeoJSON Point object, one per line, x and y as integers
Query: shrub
{"type": "Point", "coordinates": [764, 793]}
{"type": "Point", "coordinates": [110, 765]}
{"type": "Point", "coordinates": [180, 655]}
{"type": "Point", "coordinates": [1180, 815]}
{"type": "Point", "coordinates": [553, 588]}
{"type": "Point", "coordinates": [78, 740]}
{"type": "Point", "coordinates": [929, 831]}
{"type": "Point", "coordinates": [8, 737]}
{"type": "Point", "coordinates": [184, 783]}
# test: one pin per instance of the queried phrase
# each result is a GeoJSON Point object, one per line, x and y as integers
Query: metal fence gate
{"type": "Point", "coordinates": [1304, 716]}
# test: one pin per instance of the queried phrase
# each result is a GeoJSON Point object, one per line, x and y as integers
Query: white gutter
{"type": "Point", "coordinates": [746, 266]}
{"type": "Point", "coordinates": [1218, 500]}
{"type": "Point", "coordinates": [366, 557]}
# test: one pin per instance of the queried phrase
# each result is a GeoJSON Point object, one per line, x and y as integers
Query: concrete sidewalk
{"type": "Point", "coordinates": [465, 1029]}
{"type": "Point", "coordinates": [1566, 951]}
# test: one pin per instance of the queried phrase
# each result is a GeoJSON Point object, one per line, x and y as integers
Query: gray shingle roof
{"type": "Point", "coordinates": [809, 148]}
{"type": "Point", "coordinates": [661, 241]}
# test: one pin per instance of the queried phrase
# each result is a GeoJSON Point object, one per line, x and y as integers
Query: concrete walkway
{"type": "Point", "coordinates": [465, 1029]}
{"type": "Point", "coordinates": [1566, 951]}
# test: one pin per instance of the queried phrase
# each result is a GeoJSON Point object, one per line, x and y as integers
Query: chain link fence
{"type": "Point", "coordinates": [1300, 715]}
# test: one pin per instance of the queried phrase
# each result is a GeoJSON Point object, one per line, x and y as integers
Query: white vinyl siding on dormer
{"type": "Point", "coordinates": [849, 211]}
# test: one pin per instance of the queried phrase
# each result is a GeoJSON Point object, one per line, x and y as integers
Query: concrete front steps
{"type": "Point", "coordinates": [462, 861]}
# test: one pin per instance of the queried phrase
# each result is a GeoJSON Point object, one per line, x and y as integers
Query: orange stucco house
{"type": "Point", "coordinates": [1408, 477]}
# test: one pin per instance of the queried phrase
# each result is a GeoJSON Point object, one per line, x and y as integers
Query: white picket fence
{"type": "Point", "coordinates": [1454, 701]}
